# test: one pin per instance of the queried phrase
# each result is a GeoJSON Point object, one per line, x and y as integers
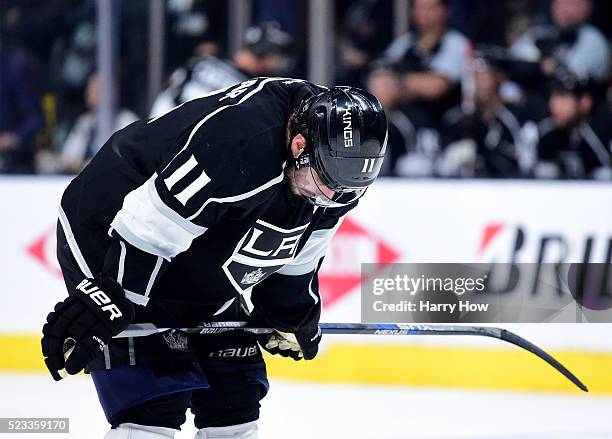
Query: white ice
{"type": "Point", "coordinates": [308, 411]}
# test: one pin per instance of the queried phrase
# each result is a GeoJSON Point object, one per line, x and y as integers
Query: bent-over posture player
{"type": "Point", "coordinates": [181, 218]}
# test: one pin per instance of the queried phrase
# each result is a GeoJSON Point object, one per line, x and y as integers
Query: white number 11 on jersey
{"type": "Point", "coordinates": [193, 187]}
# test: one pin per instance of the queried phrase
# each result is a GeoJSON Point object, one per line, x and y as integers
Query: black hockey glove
{"type": "Point", "coordinates": [303, 343]}
{"type": "Point", "coordinates": [82, 324]}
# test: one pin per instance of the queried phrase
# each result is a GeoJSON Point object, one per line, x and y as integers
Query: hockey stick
{"type": "Point", "coordinates": [141, 330]}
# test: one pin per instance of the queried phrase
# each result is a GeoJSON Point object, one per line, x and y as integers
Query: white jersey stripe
{"type": "Point", "coordinates": [313, 295]}
{"type": "Point", "coordinates": [148, 224]}
{"type": "Point", "coordinates": [121, 267]}
{"type": "Point", "coordinates": [138, 299]}
{"type": "Point", "coordinates": [163, 114]}
{"type": "Point", "coordinates": [158, 265]}
{"type": "Point", "coordinates": [280, 229]}
{"type": "Point", "coordinates": [211, 93]}
{"type": "Point", "coordinates": [308, 258]}
{"type": "Point", "coordinates": [218, 110]}
{"type": "Point", "coordinates": [240, 197]}
{"type": "Point", "coordinates": [74, 248]}
{"type": "Point", "coordinates": [225, 306]}
{"type": "Point", "coordinates": [598, 148]}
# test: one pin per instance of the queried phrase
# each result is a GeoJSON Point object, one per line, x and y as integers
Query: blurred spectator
{"type": "Point", "coordinates": [194, 26]}
{"type": "Point", "coordinates": [280, 11]}
{"type": "Point", "coordinates": [402, 157]}
{"type": "Point", "coordinates": [264, 54]}
{"type": "Point", "coordinates": [499, 23]}
{"type": "Point", "coordinates": [487, 141]}
{"type": "Point", "coordinates": [570, 42]}
{"type": "Point", "coordinates": [73, 59]}
{"type": "Point", "coordinates": [81, 143]}
{"type": "Point", "coordinates": [37, 24]}
{"type": "Point", "coordinates": [420, 73]}
{"type": "Point", "coordinates": [443, 120]}
{"type": "Point", "coordinates": [365, 31]}
{"type": "Point", "coordinates": [21, 115]}
{"type": "Point", "coordinates": [576, 140]}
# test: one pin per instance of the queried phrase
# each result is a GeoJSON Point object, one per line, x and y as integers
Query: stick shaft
{"type": "Point", "coordinates": [141, 330]}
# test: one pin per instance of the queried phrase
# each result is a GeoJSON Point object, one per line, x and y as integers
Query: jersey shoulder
{"type": "Point", "coordinates": [241, 129]}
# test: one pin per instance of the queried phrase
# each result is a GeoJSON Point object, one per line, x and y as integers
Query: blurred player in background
{"type": "Point", "coordinates": [487, 141]}
{"type": "Point", "coordinates": [80, 145]}
{"type": "Point", "coordinates": [264, 54]}
{"type": "Point", "coordinates": [183, 218]}
{"type": "Point", "coordinates": [569, 42]}
{"type": "Point", "coordinates": [576, 140]}
{"type": "Point", "coordinates": [420, 74]}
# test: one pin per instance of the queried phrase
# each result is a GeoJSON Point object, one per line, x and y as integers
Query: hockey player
{"type": "Point", "coordinates": [177, 219]}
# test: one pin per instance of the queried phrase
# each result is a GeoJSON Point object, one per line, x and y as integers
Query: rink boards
{"type": "Point", "coordinates": [408, 221]}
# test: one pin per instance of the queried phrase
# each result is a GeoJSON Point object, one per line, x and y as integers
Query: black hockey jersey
{"type": "Point", "coordinates": [581, 152]}
{"type": "Point", "coordinates": [190, 210]}
{"type": "Point", "coordinates": [500, 151]}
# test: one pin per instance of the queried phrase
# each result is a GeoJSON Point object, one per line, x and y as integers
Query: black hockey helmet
{"type": "Point", "coordinates": [346, 138]}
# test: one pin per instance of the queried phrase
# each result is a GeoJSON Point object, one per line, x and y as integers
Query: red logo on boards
{"type": "Point", "coordinates": [43, 250]}
{"type": "Point", "coordinates": [351, 246]}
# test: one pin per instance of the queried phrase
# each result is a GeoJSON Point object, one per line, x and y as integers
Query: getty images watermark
{"type": "Point", "coordinates": [486, 293]}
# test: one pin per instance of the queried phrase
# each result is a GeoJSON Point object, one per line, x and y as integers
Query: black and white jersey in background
{"type": "Point", "coordinates": [581, 152]}
{"type": "Point", "coordinates": [446, 59]}
{"type": "Point", "coordinates": [190, 210]}
{"type": "Point", "coordinates": [199, 77]}
{"type": "Point", "coordinates": [495, 148]}
{"type": "Point", "coordinates": [584, 51]}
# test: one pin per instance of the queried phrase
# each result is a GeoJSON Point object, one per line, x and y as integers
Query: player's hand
{"type": "Point", "coordinates": [302, 344]}
{"type": "Point", "coordinates": [82, 324]}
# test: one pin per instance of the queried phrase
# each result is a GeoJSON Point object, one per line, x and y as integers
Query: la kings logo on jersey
{"type": "Point", "coordinates": [264, 249]}
{"type": "Point", "coordinates": [253, 277]}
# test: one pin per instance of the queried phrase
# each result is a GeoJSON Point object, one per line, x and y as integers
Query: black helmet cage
{"type": "Point", "coordinates": [346, 133]}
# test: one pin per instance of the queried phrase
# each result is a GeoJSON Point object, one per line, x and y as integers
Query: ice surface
{"type": "Point", "coordinates": [310, 411]}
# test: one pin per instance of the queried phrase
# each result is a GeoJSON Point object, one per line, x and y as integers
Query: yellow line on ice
{"type": "Point", "coordinates": [409, 365]}
{"type": "Point", "coordinates": [20, 353]}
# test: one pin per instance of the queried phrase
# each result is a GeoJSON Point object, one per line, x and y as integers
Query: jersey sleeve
{"type": "Point", "coordinates": [290, 299]}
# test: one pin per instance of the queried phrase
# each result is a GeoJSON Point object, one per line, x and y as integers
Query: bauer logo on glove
{"type": "Point", "coordinates": [99, 297]}
{"type": "Point", "coordinates": [81, 325]}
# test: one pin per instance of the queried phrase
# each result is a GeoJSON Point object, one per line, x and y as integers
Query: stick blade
{"type": "Point", "coordinates": [519, 341]}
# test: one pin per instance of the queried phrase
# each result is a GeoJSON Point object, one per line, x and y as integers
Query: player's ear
{"type": "Point", "coordinates": [298, 145]}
